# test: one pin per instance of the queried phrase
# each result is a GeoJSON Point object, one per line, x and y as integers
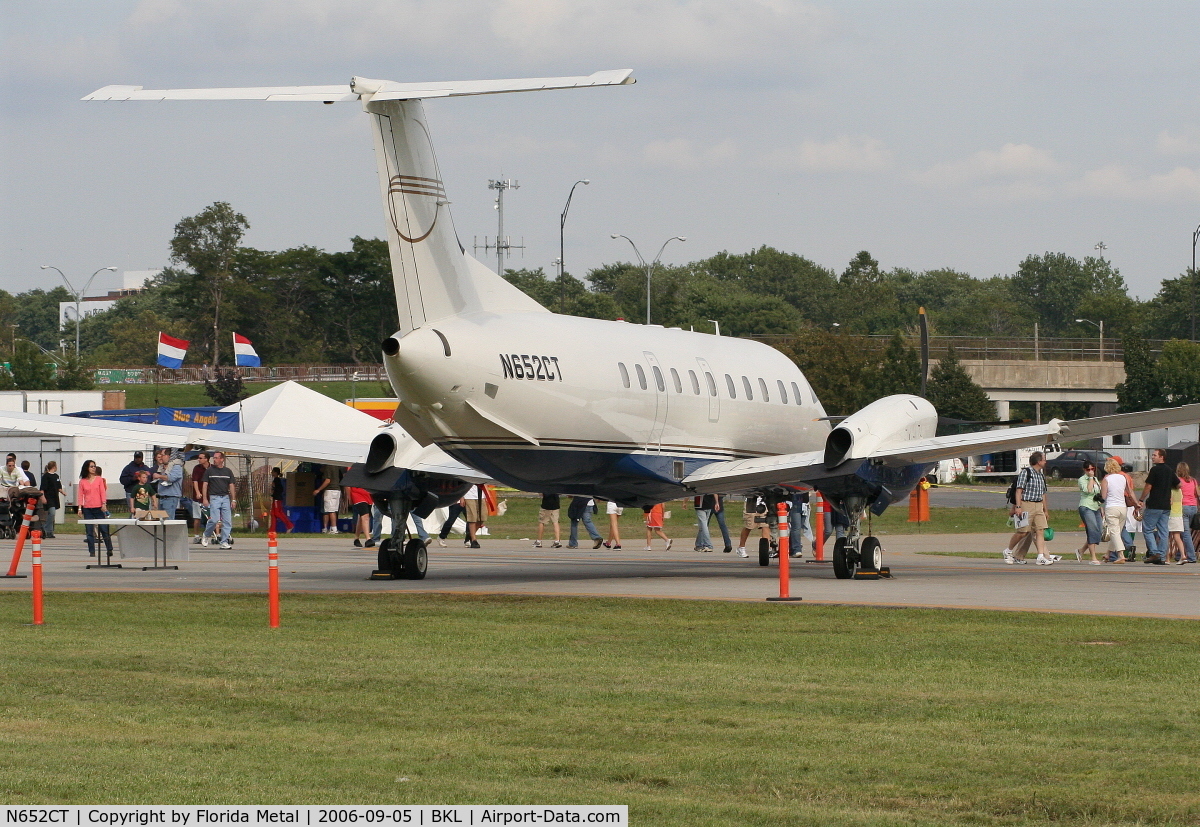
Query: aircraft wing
{"type": "Point", "coordinates": [410, 454]}
{"type": "Point", "coordinates": [808, 467]}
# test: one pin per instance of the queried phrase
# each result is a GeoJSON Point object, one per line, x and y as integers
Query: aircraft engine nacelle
{"type": "Point", "coordinates": [888, 421]}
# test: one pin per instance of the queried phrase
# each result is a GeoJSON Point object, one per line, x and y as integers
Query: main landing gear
{"type": "Point", "coordinates": [401, 559]}
{"type": "Point", "coordinates": [409, 561]}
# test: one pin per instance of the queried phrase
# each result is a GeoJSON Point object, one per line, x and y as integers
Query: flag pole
{"type": "Point", "coordinates": [156, 372]}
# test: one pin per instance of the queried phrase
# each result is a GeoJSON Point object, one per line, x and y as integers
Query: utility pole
{"type": "Point", "coordinates": [1195, 238]}
{"type": "Point", "coordinates": [502, 245]}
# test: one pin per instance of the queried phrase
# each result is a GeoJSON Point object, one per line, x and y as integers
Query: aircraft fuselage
{"type": "Point", "coordinates": [557, 403]}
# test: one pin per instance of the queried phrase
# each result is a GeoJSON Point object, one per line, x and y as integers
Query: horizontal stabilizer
{"type": "Point", "coordinates": [366, 89]}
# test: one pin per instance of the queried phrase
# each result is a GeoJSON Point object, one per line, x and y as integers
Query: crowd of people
{"type": "Point", "coordinates": [1165, 513]}
{"type": "Point", "coordinates": [1112, 511]}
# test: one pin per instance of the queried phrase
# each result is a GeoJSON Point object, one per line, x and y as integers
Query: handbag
{"type": "Point", "coordinates": [1195, 524]}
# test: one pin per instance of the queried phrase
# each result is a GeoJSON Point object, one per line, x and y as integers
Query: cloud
{"type": "Point", "coordinates": [844, 154]}
{"type": "Point", "coordinates": [1115, 181]}
{"type": "Point", "coordinates": [1012, 161]}
{"type": "Point", "coordinates": [1186, 143]}
{"type": "Point", "coordinates": [684, 153]}
{"type": "Point", "coordinates": [700, 34]}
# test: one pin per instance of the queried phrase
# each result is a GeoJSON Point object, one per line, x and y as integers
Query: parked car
{"type": "Point", "coordinates": [1069, 464]}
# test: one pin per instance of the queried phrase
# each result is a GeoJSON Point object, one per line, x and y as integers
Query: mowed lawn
{"type": "Point", "coordinates": [692, 713]}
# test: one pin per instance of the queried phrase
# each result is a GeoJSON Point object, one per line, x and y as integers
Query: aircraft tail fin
{"type": "Point", "coordinates": [434, 278]}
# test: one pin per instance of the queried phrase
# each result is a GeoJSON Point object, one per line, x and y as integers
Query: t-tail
{"type": "Point", "coordinates": [434, 276]}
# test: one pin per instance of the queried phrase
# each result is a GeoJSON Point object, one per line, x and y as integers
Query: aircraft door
{"type": "Point", "coordinates": [658, 383]}
{"type": "Point", "coordinates": [708, 386]}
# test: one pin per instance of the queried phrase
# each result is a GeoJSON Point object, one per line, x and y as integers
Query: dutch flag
{"type": "Point", "coordinates": [243, 353]}
{"type": "Point", "coordinates": [171, 351]}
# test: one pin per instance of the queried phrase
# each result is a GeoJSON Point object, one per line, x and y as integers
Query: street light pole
{"type": "Point", "coordinates": [1100, 325]}
{"type": "Point", "coordinates": [78, 294]}
{"type": "Point", "coordinates": [649, 267]}
{"type": "Point", "coordinates": [562, 226]}
{"type": "Point", "coordinates": [1195, 238]}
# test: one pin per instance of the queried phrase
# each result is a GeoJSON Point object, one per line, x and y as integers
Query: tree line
{"type": "Point", "coordinates": [305, 305]}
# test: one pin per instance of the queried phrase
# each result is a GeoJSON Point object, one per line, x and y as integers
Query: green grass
{"type": "Point", "coordinates": [692, 713]}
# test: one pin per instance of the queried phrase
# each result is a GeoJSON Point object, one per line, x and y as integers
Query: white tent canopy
{"type": "Point", "coordinates": [290, 409]}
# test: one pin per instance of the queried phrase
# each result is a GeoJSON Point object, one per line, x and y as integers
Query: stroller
{"type": "Point", "coordinates": [12, 512]}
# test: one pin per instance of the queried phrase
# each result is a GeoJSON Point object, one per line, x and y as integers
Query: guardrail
{"type": "Point", "coordinates": [279, 373]}
{"type": "Point", "coordinates": [996, 347]}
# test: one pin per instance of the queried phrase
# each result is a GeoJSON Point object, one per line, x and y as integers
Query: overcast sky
{"type": "Point", "coordinates": [933, 134]}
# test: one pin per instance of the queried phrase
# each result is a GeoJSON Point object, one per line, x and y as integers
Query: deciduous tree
{"type": "Point", "coordinates": [207, 243]}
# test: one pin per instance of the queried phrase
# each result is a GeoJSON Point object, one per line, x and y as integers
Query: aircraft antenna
{"type": "Point", "coordinates": [503, 245]}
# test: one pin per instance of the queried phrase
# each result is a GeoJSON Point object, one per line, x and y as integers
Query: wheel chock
{"type": "Point", "coordinates": [381, 574]}
{"type": "Point", "coordinates": [884, 572]}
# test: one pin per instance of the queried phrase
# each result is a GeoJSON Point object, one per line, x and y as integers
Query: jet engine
{"type": "Point", "coordinates": [889, 421]}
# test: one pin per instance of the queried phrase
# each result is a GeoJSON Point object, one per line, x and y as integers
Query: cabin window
{"type": "Point", "coordinates": [675, 379]}
{"type": "Point", "coordinates": [658, 378]}
{"type": "Point", "coordinates": [695, 382]}
{"type": "Point", "coordinates": [732, 387]}
{"type": "Point", "coordinates": [782, 391]}
{"type": "Point", "coordinates": [641, 376]}
{"type": "Point", "coordinates": [796, 394]}
{"type": "Point", "coordinates": [762, 387]}
{"type": "Point", "coordinates": [746, 385]}
{"type": "Point", "coordinates": [624, 374]}
{"type": "Point", "coordinates": [712, 383]}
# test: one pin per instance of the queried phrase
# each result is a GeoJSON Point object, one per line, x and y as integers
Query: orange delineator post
{"type": "Point", "coordinates": [818, 526]}
{"type": "Point", "coordinates": [30, 506]}
{"type": "Point", "coordinates": [781, 514]}
{"type": "Point", "coordinates": [273, 578]}
{"type": "Point", "coordinates": [37, 578]}
{"type": "Point", "coordinates": [918, 504]}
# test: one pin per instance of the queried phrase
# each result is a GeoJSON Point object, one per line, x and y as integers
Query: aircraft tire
{"type": "Point", "coordinates": [416, 560]}
{"type": "Point", "coordinates": [870, 555]}
{"type": "Point", "coordinates": [843, 569]}
{"type": "Point", "coordinates": [385, 562]}
{"type": "Point", "coordinates": [764, 551]}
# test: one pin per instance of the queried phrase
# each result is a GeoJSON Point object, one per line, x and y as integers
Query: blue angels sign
{"type": "Point", "coordinates": [210, 418]}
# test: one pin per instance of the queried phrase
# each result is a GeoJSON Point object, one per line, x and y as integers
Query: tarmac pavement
{"type": "Point", "coordinates": [329, 564]}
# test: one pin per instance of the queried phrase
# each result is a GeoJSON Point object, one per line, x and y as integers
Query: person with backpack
{"type": "Point", "coordinates": [1029, 504]}
{"type": "Point", "coordinates": [1018, 545]}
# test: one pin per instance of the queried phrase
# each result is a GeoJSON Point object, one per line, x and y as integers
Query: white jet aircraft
{"type": "Point", "coordinates": [638, 414]}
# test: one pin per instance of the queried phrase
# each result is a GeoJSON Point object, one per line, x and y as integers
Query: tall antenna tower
{"type": "Point", "coordinates": [503, 243]}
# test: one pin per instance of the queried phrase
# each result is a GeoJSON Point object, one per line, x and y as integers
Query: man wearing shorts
{"type": "Point", "coordinates": [754, 517]}
{"type": "Point", "coordinates": [548, 515]}
{"type": "Point", "coordinates": [1031, 504]}
{"type": "Point", "coordinates": [331, 504]}
{"type": "Point", "coordinates": [360, 513]}
{"type": "Point", "coordinates": [474, 513]}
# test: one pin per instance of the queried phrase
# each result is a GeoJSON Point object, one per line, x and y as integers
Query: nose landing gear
{"type": "Point", "coordinates": [854, 556]}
